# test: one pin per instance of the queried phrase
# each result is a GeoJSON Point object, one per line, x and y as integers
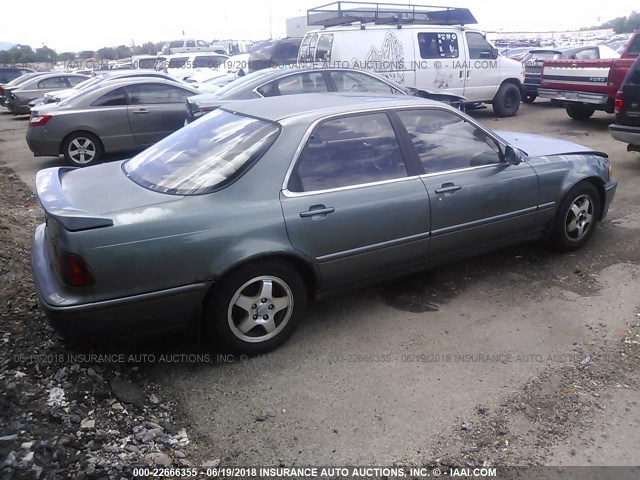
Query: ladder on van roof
{"type": "Point", "coordinates": [346, 13]}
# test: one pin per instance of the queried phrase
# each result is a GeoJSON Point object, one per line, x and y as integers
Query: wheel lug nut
{"type": "Point", "coordinates": [266, 317]}
{"type": "Point", "coordinates": [255, 317]}
{"type": "Point", "coordinates": [264, 300]}
{"type": "Point", "coordinates": [271, 307]}
{"type": "Point", "coordinates": [254, 306]}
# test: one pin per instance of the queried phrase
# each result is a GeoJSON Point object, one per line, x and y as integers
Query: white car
{"type": "Point", "coordinates": [211, 80]}
{"type": "Point", "coordinates": [183, 66]}
{"type": "Point", "coordinates": [186, 46]}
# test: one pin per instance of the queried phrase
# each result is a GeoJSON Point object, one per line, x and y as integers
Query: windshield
{"type": "Point", "coordinates": [203, 156]}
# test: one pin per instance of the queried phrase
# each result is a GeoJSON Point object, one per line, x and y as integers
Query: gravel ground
{"type": "Point", "coordinates": [65, 410]}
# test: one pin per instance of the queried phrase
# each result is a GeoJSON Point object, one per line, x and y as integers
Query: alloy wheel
{"type": "Point", "coordinates": [579, 217]}
{"type": "Point", "coordinates": [260, 309]}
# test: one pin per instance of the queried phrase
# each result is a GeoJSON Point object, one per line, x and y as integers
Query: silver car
{"type": "Point", "coordinates": [234, 222]}
{"type": "Point", "coordinates": [18, 99]}
{"type": "Point", "coordinates": [117, 116]}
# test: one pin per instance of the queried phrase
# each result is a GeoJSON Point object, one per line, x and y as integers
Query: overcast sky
{"type": "Point", "coordinates": [71, 25]}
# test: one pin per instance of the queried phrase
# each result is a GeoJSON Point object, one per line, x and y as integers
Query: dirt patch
{"type": "Point", "coordinates": [65, 410]}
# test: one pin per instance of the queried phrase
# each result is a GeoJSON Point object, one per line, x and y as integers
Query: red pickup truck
{"type": "Point", "coordinates": [584, 86]}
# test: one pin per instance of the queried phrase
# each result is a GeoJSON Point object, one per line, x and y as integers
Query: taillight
{"type": "Point", "coordinates": [1, 90]}
{"type": "Point", "coordinates": [619, 103]}
{"type": "Point", "coordinates": [39, 120]}
{"type": "Point", "coordinates": [74, 270]}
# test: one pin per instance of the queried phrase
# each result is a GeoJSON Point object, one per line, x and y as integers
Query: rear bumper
{"type": "Point", "coordinates": [16, 107]}
{"type": "Point", "coordinates": [40, 144]}
{"type": "Point", "coordinates": [138, 315]}
{"type": "Point", "coordinates": [572, 96]}
{"type": "Point", "coordinates": [625, 134]}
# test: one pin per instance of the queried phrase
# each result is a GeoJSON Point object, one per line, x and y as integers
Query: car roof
{"type": "Point", "coordinates": [320, 105]}
{"type": "Point", "coordinates": [119, 82]}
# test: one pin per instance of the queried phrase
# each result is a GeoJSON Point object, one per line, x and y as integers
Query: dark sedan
{"type": "Point", "coordinates": [275, 82]}
{"type": "Point", "coordinates": [230, 225]}
{"type": "Point", "coordinates": [116, 116]}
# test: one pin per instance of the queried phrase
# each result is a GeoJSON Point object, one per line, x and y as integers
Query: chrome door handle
{"type": "Point", "coordinates": [448, 188]}
{"type": "Point", "coordinates": [317, 210]}
{"type": "Point", "coordinates": [142, 111]}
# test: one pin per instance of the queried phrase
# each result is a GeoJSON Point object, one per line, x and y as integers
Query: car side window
{"type": "Point", "coordinates": [478, 46]}
{"type": "Point", "coordinates": [156, 93]}
{"type": "Point", "coordinates": [73, 81]}
{"type": "Point", "coordinates": [312, 82]}
{"type": "Point", "coordinates": [349, 151]}
{"type": "Point", "coordinates": [202, 43]}
{"type": "Point", "coordinates": [589, 54]}
{"type": "Point", "coordinates": [176, 44]}
{"type": "Point", "coordinates": [54, 82]}
{"type": "Point", "coordinates": [191, 43]}
{"type": "Point", "coordinates": [438, 45]}
{"type": "Point", "coordinates": [359, 82]}
{"type": "Point", "coordinates": [113, 98]}
{"type": "Point", "coordinates": [446, 141]}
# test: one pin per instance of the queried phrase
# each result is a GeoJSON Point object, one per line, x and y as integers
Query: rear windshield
{"type": "Point", "coordinates": [541, 56]}
{"type": "Point", "coordinates": [203, 156]}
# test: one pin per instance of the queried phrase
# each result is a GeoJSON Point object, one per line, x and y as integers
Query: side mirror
{"type": "Point", "coordinates": [512, 156]}
{"type": "Point", "coordinates": [494, 53]}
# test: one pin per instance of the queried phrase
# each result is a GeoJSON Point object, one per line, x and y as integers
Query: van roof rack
{"type": "Point", "coordinates": [346, 13]}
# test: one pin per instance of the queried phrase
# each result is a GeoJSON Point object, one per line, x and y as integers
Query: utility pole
{"type": "Point", "coordinates": [270, 26]}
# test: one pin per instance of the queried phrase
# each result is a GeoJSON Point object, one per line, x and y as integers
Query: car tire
{"type": "Point", "coordinates": [249, 295]}
{"type": "Point", "coordinates": [507, 101]}
{"type": "Point", "coordinates": [579, 112]}
{"type": "Point", "coordinates": [576, 218]}
{"type": "Point", "coordinates": [82, 149]}
{"type": "Point", "coordinates": [529, 98]}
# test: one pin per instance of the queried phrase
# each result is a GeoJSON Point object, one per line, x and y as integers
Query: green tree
{"type": "Point", "coordinates": [106, 53]}
{"type": "Point", "coordinates": [67, 56]}
{"type": "Point", "coordinates": [84, 54]}
{"type": "Point", "coordinates": [46, 54]}
{"type": "Point", "coordinates": [122, 51]}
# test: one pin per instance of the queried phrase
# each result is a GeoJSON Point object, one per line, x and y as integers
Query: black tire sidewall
{"type": "Point", "coordinates": [499, 101]}
{"type": "Point", "coordinates": [579, 113]}
{"type": "Point", "coordinates": [216, 326]}
{"type": "Point", "coordinates": [529, 98]}
{"type": "Point", "coordinates": [96, 141]}
{"type": "Point", "coordinates": [559, 238]}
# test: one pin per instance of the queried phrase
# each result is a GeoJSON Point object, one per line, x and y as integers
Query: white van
{"type": "Point", "coordinates": [186, 45]}
{"type": "Point", "coordinates": [425, 49]}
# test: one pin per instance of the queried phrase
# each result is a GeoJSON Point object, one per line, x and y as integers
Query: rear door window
{"type": "Point", "coordinates": [54, 82]}
{"type": "Point", "coordinates": [589, 54]}
{"type": "Point", "coordinates": [312, 82]}
{"type": "Point", "coordinates": [176, 44]}
{"type": "Point", "coordinates": [191, 43]}
{"type": "Point", "coordinates": [156, 93]}
{"type": "Point", "coordinates": [349, 151]}
{"type": "Point", "coordinates": [359, 82]}
{"type": "Point", "coordinates": [113, 98]}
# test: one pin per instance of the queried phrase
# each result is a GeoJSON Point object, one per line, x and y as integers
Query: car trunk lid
{"type": "Point", "coordinates": [82, 199]}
